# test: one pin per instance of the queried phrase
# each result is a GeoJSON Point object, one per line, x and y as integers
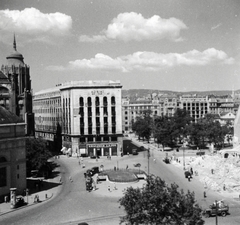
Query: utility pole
{"type": "Point", "coordinates": [216, 212]}
{"type": "Point", "coordinates": [148, 156]}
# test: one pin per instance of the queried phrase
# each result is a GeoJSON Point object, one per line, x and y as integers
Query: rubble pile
{"type": "Point", "coordinates": [217, 173]}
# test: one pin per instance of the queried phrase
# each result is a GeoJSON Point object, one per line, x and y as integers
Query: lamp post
{"type": "Point", "coordinates": [148, 156]}
{"type": "Point", "coordinates": [216, 212]}
{"type": "Point", "coordinates": [184, 155]}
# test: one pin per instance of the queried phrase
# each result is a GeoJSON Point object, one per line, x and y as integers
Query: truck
{"type": "Point", "coordinates": [218, 208]}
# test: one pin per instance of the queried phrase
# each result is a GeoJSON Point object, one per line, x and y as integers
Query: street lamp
{"type": "Point", "coordinates": [148, 156]}
{"type": "Point", "coordinates": [184, 154]}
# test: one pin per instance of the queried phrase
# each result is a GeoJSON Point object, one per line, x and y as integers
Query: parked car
{"type": "Point", "coordinates": [134, 151]}
{"type": "Point", "coordinates": [19, 201]}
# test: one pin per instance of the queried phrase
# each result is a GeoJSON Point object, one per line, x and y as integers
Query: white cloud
{"type": "Point", "coordinates": [32, 21]}
{"type": "Point", "coordinates": [134, 27]}
{"type": "Point", "coordinates": [149, 61]}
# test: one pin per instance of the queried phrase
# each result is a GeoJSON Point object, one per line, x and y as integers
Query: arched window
{"type": "Point", "coordinates": [113, 100]}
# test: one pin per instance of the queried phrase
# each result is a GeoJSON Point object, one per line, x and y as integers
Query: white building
{"type": "Point", "coordinates": [88, 113]}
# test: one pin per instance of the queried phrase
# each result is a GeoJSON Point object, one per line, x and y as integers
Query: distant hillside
{"type": "Point", "coordinates": [144, 92]}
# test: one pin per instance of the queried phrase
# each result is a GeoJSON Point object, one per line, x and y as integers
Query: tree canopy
{"type": "Point", "coordinates": [158, 203]}
{"type": "Point", "coordinates": [37, 153]}
{"type": "Point", "coordinates": [143, 125]}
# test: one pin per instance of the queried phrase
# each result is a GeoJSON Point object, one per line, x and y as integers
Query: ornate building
{"type": "Point", "coordinates": [12, 153]}
{"type": "Point", "coordinates": [15, 88]}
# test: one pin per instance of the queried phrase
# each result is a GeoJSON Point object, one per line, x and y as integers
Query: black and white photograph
{"type": "Point", "coordinates": [119, 112]}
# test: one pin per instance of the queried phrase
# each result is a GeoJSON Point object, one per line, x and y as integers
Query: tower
{"type": "Point", "coordinates": [15, 88]}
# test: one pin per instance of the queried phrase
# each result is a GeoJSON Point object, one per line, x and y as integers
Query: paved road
{"type": "Point", "coordinates": [74, 204]}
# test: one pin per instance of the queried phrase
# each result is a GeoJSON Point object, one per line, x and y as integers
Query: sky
{"type": "Point", "coordinates": [177, 45]}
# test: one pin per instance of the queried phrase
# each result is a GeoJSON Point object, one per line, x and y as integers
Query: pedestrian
{"type": "Point", "coordinates": [191, 171]}
{"type": "Point", "coordinates": [109, 189]}
{"type": "Point", "coordinates": [60, 180]}
{"type": "Point", "coordinates": [115, 188]}
{"type": "Point", "coordinates": [79, 163]}
{"type": "Point", "coordinates": [189, 178]}
{"type": "Point", "coordinates": [204, 194]}
{"type": "Point", "coordinates": [224, 187]}
{"type": "Point", "coordinates": [126, 167]}
{"type": "Point", "coordinates": [70, 178]}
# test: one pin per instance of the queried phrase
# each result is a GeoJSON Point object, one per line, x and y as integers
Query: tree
{"type": "Point", "coordinates": [158, 203]}
{"type": "Point", "coordinates": [181, 120]}
{"type": "Point", "coordinates": [163, 129]}
{"type": "Point", "coordinates": [37, 154]}
{"type": "Point", "coordinates": [143, 125]}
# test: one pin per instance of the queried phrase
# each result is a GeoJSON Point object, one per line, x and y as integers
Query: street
{"type": "Point", "coordinates": [74, 204]}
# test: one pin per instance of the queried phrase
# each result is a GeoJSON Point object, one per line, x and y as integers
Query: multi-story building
{"type": "Point", "coordinates": [221, 104]}
{"type": "Point", "coordinates": [12, 153]}
{"type": "Point", "coordinates": [159, 106]}
{"type": "Point", "coordinates": [15, 88]}
{"type": "Point", "coordinates": [170, 104]}
{"type": "Point", "coordinates": [133, 108]}
{"type": "Point", "coordinates": [88, 113]}
{"type": "Point", "coordinates": [196, 105]}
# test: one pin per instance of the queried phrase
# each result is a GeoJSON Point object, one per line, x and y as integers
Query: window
{"type": "Point", "coordinates": [126, 118]}
{"type": "Point", "coordinates": [126, 112]}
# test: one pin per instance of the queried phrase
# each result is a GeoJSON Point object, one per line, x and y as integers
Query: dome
{"type": "Point", "coordinates": [15, 58]}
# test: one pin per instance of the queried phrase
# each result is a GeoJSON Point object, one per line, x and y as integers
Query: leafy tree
{"type": "Point", "coordinates": [163, 129]}
{"type": "Point", "coordinates": [143, 125]}
{"type": "Point", "coordinates": [37, 154]}
{"type": "Point", "coordinates": [158, 203]}
{"type": "Point", "coordinates": [181, 120]}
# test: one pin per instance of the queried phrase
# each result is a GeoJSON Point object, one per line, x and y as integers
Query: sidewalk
{"type": "Point", "coordinates": [43, 195]}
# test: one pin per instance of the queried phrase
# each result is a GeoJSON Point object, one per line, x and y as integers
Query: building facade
{"type": "Point", "coordinates": [15, 88]}
{"type": "Point", "coordinates": [12, 153]}
{"type": "Point", "coordinates": [196, 105]}
{"type": "Point", "coordinates": [88, 113]}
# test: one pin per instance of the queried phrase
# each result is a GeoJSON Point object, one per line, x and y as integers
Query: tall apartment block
{"type": "Point", "coordinates": [196, 105]}
{"type": "Point", "coordinates": [86, 113]}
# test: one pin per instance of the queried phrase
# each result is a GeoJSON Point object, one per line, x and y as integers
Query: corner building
{"type": "Point", "coordinates": [90, 116]}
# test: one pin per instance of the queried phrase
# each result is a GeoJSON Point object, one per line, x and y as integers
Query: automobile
{"type": "Point", "coordinates": [19, 201]}
{"type": "Point", "coordinates": [166, 160]}
{"type": "Point", "coordinates": [92, 171]}
{"type": "Point", "coordinates": [187, 173]}
{"type": "Point", "coordinates": [134, 151]}
{"type": "Point", "coordinates": [137, 165]}
{"type": "Point", "coordinates": [214, 209]}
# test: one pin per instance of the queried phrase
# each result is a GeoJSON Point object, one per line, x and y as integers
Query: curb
{"type": "Point", "coordinates": [26, 206]}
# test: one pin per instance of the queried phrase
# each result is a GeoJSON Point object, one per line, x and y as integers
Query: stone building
{"type": "Point", "coordinates": [196, 105]}
{"type": "Point", "coordinates": [15, 88]}
{"type": "Point", "coordinates": [88, 113]}
{"type": "Point", "coordinates": [12, 153]}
